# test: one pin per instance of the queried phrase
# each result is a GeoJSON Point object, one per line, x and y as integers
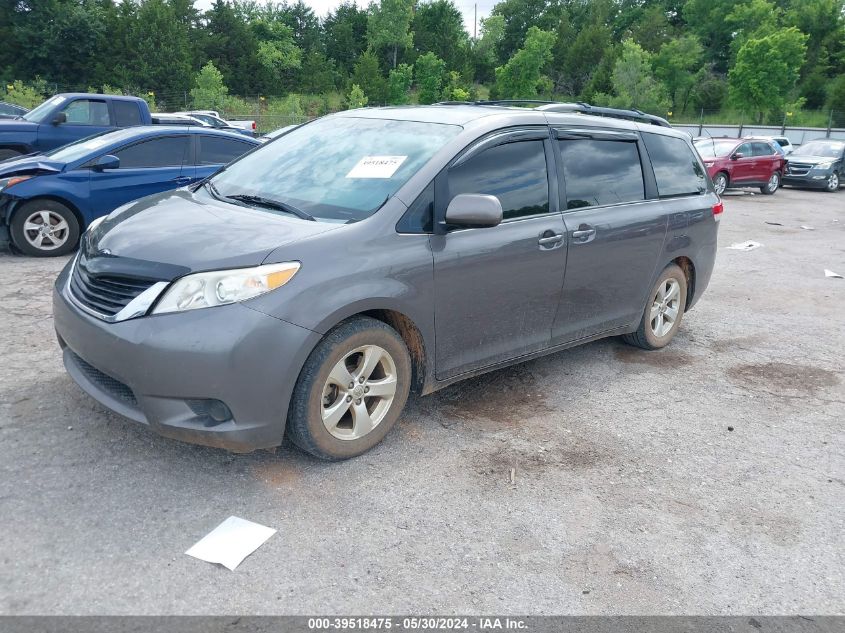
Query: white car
{"type": "Point", "coordinates": [782, 142]}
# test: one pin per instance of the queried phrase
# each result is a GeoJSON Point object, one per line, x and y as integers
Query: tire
{"type": "Point", "coordinates": [720, 182]}
{"type": "Point", "coordinates": [772, 186]}
{"type": "Point", "coordinates": [645, 335]}
{"type": "Point", "coordinates": [6, 154]}
{"type": "Point", "coordinates": [832, 183]}
{"type": "Point", "coordinates": [341, 357]}
{"type": "Point", "coordinates": [39, 241]}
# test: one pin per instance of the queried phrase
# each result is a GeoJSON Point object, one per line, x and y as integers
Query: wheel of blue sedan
{"type": "Point", "coordinates": [44, 228]}
{"type": "Point", "coordinates": [351, 391]}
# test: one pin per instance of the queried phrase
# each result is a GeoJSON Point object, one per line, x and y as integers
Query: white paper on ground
{"type": "Point", "coordinates": [231, 542]}
{"type": "Point", "coordinates": [807, 228]}
{"type": "Point", "coordinates": [376, 167]}
{"type": "Point", "coordinates": [830, 273]}
{"type": "Point", "coordinates": [750, 245]}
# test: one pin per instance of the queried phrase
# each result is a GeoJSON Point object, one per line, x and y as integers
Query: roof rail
{"type": "Point", "coordinates": [578, 107]}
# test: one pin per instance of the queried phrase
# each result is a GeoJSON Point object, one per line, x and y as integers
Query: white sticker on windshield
{"type": "Point", "coordinates": [376, 167]}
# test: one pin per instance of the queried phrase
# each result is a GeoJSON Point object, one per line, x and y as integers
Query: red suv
{"type": "Point", "coordinates": [733, 163]}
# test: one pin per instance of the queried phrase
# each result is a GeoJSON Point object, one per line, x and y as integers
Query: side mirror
{"type": "Point", "coordinates": [474, 209]}
{"type": "Point", "coordinates": [106, 162]}
{"type": "Point", "coordinates": [737, 156]}
{"type": "Point", "coordinates": [60, 118]}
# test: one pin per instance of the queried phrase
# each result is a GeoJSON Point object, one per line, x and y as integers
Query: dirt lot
{"type": "Point", "coordinates": [708, 478]}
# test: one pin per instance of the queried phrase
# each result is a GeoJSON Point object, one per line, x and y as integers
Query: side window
{"type": "Point", "coordinates": [170, 151]}
{"type": "Point", "coordinates": [87, 112]}
{"type": "Point", "coordinates": [601, 172]}
{"type": "Point", "coordinates": [419, 218]}
{"type": "Point", "coordinates": [744, 149]}
{"type": "Point", "coordinates": [515, 173]}
{"type": "Point", "coordinates": [126, 113]}
{"type": "Point", "coordinates": [676, 169]}
{"type": "Point", "coordinates": [216, 150]}
{"type": "Point", "coordinates": [762, 149]}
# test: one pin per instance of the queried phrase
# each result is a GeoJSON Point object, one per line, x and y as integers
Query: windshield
{"type": "Point", "coordinates": [37, 114]}
{"type": "Point", "coordinates": [713, 148]}
{"type": "Point", "coordinates": [79, 149]}
{"type": "Point", "coordinates": [336, 168]}
{"type": "Point", "coordinates": [825, 149]}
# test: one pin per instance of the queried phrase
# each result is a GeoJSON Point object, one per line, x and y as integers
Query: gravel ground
{"type": "Point", "coordinates": [707, 478]}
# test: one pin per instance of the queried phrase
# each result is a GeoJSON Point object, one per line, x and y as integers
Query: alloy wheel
{"type": "Point", "coordinates": [833, 182]}
{"type": "Point", "coordinates": [46, 230]}
{"type": "Point", "coordinates": [720, 183]}
{"type": "Point", "coordinates": [358, 392]}
{"type": "Point", "coordinates": [665, 307]}
{"type": "Point", "coordinates": [774, 183]}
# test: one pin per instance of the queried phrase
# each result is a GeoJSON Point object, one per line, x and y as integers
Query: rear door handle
{"type": "Point", "coordinates": [583, 234]}
{"type": "Point", "coordinates": [548, 238]}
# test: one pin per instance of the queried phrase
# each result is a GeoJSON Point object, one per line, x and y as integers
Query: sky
{"type": "Point", "coordinates": [322, 7]}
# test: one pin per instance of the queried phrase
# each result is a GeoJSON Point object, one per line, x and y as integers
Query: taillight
{"type": "Point", "coordinates": [718, 208]}
{"type": "Point", "coordinates": [253, 125]}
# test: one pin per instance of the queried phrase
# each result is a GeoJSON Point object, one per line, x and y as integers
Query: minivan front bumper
{"type": "Point", "coordinates": [167, 371]}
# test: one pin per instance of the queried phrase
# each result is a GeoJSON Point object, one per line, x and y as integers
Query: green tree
{"type": "Point", "coordinates": [318, 73]}
{"type": "Point", "coordinates": [388, 26]}
{"type": "Point", "coordinates": [455, 88]}
{"type": "Point", "coordinates": [231, 44]}
{"type": "Point", "coordinates": [429, 70]}
{"type": "Point", "coordinates": [519, 16]}
{"type": "Point", "coordinates": [836, 100]}
{"type": "Point", "coordinates": [345, 35]}
{"type": "Point", "coordinates": [766, 70]}
{"type": "Point", "coordinates": [634, 82]}
{"type": "Point", "coordinates": [485, 48]}
{"type": "Point", "coordinates": [209, 91]}
{"type": "Point", "coordinates": [679, 66]}
{"type": "Point", "coordinates": [438, 27]}
{"type": "Point", "coordinates": [520, 77]}
{"type": "Point", "coordinates": [399, 83]}
{"type": "Point", "coordinates": [367, 75]}
{"type": "Point", "coordinates": [356, 98]}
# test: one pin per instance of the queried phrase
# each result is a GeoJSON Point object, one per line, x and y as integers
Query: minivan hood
{"type": "Point", "coordinates": [197, 232]}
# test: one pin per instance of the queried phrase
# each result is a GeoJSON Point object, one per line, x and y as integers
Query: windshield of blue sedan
{"type": "Point", "coordinates": [825, 149]}
{"type": "Point", "coordinates": [336, 168]}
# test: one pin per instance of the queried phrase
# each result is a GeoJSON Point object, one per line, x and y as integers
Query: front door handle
{"type": "Point", "coordinates": [550, 238]}
{"type": "Point", "coordinates": [583, 234]}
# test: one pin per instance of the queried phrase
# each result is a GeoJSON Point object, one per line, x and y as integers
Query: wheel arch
{"type": "Point", "coordinates": [685, 264]}
{"type": "Point", "coordinates": [70, 205]}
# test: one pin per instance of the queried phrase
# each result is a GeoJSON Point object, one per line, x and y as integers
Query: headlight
{"type": "Point", "coordinates": [824, 165]}
{"type": "Point", "coordinates": [220, 287]}
{"type": "Point", "coordinates": [5, 183]}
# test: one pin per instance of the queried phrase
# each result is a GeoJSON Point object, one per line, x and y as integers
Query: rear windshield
{"type": "Point", "coordinates": [713, 148]}
{"type": "Point", "coordinates": [825, 149]}
{"type": "Point", "coordinates": [336, 168]}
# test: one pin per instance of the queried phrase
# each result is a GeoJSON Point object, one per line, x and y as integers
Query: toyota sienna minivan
{"type": "Point", "coordinates": [308, 287]}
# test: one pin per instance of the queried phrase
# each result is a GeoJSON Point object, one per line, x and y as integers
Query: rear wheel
{"type": "Point", "coordinates": [770, 187]}
{"type": "Point", "coordinates": [832, 182]}
{"type": "Point", "coordinates": [44, 228]}
{"type": "Point", "coordinates": [663, 312]}
{"type": "Point", "coordinates": [720, 182]}
{"type": "Point", "coordinates": [351, 390]}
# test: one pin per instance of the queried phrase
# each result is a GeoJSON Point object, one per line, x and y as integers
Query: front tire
{"type": "Point", "coordinates": [832, 183]}
{"type": "Point", "coordinates": [44, 228]}
{"type": "Point", "coordinates": [720, 182]}
{"type": "Point", "coordinates": [351, 390]}
{"type": "Point", "coordinates": [770, 187]}
{"type": "Point", "coordinates": [663, 312]}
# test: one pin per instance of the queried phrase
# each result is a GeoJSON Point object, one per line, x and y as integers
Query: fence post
{"type": "Point", "coordinates": [701, 123]}
{"type": "Point", "coordinates": [783, 125]}
{"type": "Point", "coordinates": [741, 123]}
{"type": "Point", "coordinates": [829, 123]}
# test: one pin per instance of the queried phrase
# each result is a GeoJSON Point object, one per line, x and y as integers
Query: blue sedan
{"type": "Point", "coordinates": [47, 200]}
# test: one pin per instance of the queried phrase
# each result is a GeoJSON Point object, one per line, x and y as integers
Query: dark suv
{"type": "Point", "coordinates": [310, 285]}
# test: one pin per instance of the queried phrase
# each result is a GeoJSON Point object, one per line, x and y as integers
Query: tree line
{"type": "Point", "coordinates": [763, 57]}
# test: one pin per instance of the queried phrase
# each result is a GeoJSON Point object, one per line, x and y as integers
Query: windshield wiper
{"type": "Point", "coordinates": [272, 204]}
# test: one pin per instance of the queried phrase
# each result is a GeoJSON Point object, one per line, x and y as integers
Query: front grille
{"type": "Point", "coordinates": [106, 382]}
{"type": "Point", "coordinates": [105, 294]}
{"type": "Point", "coordinates": [798, 169]}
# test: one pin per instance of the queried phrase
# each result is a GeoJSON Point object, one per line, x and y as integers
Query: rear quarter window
{"type": "Point", "coordinates": [676, 167]}
{"type": "Point", "coordinates": [215, 150]}
{"type": "Point", "coordinates": [126, 113]}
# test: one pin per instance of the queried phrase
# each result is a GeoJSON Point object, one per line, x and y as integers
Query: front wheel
{"type": "Point", "coordinates": [44, 228]}
{"type": "Point", "coordinates": [770, 187]}
{"type": "Point", "coordinates": [663, 312]}
{"type": "Point", "coordinates": [720, 182]}
{"type": "Point", "coordinates": [351, 391]}
{"type": "Point", "coordinates": [833, 182]}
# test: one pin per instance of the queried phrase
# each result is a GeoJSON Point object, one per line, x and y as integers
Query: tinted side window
{"type": "Point", "coordinates": [87, 112]}
{"type": "Point", "coordinates": [215, 150]}
{"type": "Point", "coordinates": [419, 218]}
{"type": "Point", "coordinates": [744, 149]}
{"type": "Point", "coordinates": [762, 149]}
{"type": "Point", "coordinates": [601, 172]}
{"type": "Point", "coordinates": [515, 173]}
{"type": "Point", "coordinates": [676, 169]}
{"type": "Point", "coordinates": [169, 151]}
{"type": "Point", "coordinates": [126, 113]}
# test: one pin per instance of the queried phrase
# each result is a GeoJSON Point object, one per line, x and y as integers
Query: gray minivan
{"type": "Point", "coordinates": [305, 289]}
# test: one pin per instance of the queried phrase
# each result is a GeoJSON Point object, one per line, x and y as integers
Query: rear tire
{"type": "Point", "coordinates": [720, 182]}
{"type": "Point", "coordinates": [351, 390]}
{"type": "Point", "coordinates": [663, 312]}
{"type": "Point", "coordinates": [772, 186]}
{"type": "Point", "coordinates": [44, 228]}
